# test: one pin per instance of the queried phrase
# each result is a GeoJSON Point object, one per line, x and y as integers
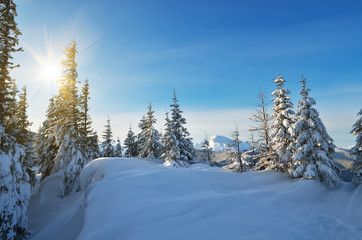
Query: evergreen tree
{"type": "Point", "coordinates": [170, 143]}
{"type": "Point", "coordinates": [89, 137]}
{"type": "Point", "coordinates": [14, 186]}
{"type": "Point", "coordinates": [140, 141]}
{"type": "Point", "coordinates": [23, 135]}
{"type": "Point", "coordinates": [266, 155]}
{"type": "Point", "coordinates": [281, 135]}
{"type": "Point", "coordinates": [107, 144]}
{"type": "Point", "coordinates": [149, 143]}
{"type": "Point", "coordinates": [9, 37]}
{"type": "Point", "coordinates": [71, 153]}
{"type": "Point", "coordinates": [357, 151]}
{"type": "Point", "coordinates": [178, 147]}
{"type": "Point", "coordinates": [206, 150]}
{"type": "Point", "coordinates": [45, 145]}
{"type": "Point", "coordinates": [313, 147]}
{"type": "Point", "coordinates": [93, 146]}
{"type": "Point", "coordinates": [186, 147]}
{"type": "Point", "coordinates": [118, 150]}
{"type": "Point", "coordinates": [12, 108]}
{"type": "Point", "coordinates": [85, 121]}
{"type": "Point", "coordinates": [131, 144]}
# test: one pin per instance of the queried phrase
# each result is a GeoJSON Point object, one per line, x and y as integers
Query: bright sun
{"type": "Point", "coordinates": [50, 71]}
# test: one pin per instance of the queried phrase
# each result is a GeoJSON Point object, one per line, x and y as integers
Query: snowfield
{"type": "Point", "coordinates": [142, 199]}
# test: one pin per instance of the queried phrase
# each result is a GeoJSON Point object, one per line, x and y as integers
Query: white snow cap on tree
{"type": "Point", "coordinates": [148, 139]}
{"type": "Point", "coordinates": [313, 147]}
{"type": "Point", "coordinates": [131, 144]}
{"type": "Point", "coordinates": [14, 189]}
{"type": "Point", "coordinates": [107, 144]}
{"type": "Point", "coordinates": [14, 181]}
{"type": "Point", "coordinates": [186, 147]}
{"type": "Point", "coordinates": [357, 151]}
{"type": "Point", "coordinates": [171, 153]}
{"type": "Point", "coordinates": [179, 149]}
{"type": "Point", "coordinates": [282, 126]}
{"type": "Point", "coordinates": [118, 150]}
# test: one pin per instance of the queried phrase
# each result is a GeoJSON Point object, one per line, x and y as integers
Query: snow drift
{"type": "Point", "coordinates": [142, 199]}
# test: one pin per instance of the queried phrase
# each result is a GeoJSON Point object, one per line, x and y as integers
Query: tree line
{"type": "Point", "coordinates": [175, 146]}
{"type": "Point", "coordinates": [297, 143]}
{"type": "Point", "coordinates": [293, 142]}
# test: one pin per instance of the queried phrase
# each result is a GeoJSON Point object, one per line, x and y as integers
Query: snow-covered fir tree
{"type": "Point", "coordinates": [266, 156]}
{"type": "Point", "coordinates": [23, 134]}
{"type": "Point", "coordinates": [171, 152]}
{"type": "Point", "coordinates": [187, 151]}
{"type": "Point", "coordinates": [14, 180]}
{"type": "Point", "coordinates": [107, 144]}
{"type": "Point", "coordinates": [183, 151]}
{"type": "Point", "coordinates": [282, 125]}
{"type": "Point", "coordinates": [88, 135]}
{"type": "Point", "coordinates": [130, 144]}
{"type": "Point", "coordinates": [206, 150]}
{"type": "Point", "coordinates": [71, 155]}
{"type": "Point", "coordinates": [118, 150]}
{"type": "Point", "coordinates": [45, 145]}
{"type": "Point", "coordinates": [313, 147]}
{"type": "Point", "coordinates": [149, 138]}
{"type": "Point", "coordinates": [357, 151]}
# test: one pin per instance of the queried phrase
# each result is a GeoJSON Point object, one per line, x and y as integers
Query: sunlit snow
{"type": "Point", "coordinates": [142, 199]}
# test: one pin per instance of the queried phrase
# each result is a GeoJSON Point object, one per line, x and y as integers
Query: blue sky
{"type": "Point", "coordinates": [217, 55]}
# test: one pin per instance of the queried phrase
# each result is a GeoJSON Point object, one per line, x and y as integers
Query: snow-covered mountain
{"type": "Point", "coordinates": [220, 144]}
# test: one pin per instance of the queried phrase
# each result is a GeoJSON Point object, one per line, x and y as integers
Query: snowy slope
{"type": "Point", "coordinates": [220, 143]}
{"type": "Point", "coordinates": [344, 157]}
{"type": "Point", "coordinates": [142, 199]}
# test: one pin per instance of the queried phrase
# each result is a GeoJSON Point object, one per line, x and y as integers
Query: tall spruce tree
{"type": "Point", "coordinates": [45, 145]}
{"type": "Point", "coordinates": [313, 147]}
{"type": "Point", "coordinates": [23, 134]}
{"type": "Point", "coordinates": [357, 151]}
{"type": "Point", "coordinates": [282, 126]}
{"type": "Point", "coordinates": [171, 153]}
{"type": "Point", "coordinates": [149, 138]}
{"type": "Point", "coordinates": [131, 144]}
{"type": "Point", "coordinates": [107, 144]}
{"type": "Point", "coordinates": [14, 186]}
{"type": "Point", "coordinates": [71, 153]}
{"type": "Point", "coordinates": [183, 151]}
{"type": "Point", "coordinates": [88, 135]}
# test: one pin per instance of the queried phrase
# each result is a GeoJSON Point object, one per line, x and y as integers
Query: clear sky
{"type": "Point", "coordinates": [217, 55]}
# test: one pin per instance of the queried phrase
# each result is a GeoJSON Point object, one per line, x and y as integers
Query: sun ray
{"type": "Point", "coordinates": [46, 65]}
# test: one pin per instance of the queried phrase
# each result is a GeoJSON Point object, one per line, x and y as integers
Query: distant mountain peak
{"type": "Point", "coordinates": [220, 143]}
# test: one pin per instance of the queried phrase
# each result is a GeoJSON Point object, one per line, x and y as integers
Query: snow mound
{"type": "Point", "coordinates": [220, 144]}
{"type": "Point", "coordinates": [143, 199]}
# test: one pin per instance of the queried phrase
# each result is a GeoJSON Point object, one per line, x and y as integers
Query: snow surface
{"type": "Point", "coordinates": [220, 144]}
{"type": "Point", "coordinates": [142, 199]}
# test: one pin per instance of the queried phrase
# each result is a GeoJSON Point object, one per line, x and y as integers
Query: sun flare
{"type": "Point", "coordinates": [50, 71]}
